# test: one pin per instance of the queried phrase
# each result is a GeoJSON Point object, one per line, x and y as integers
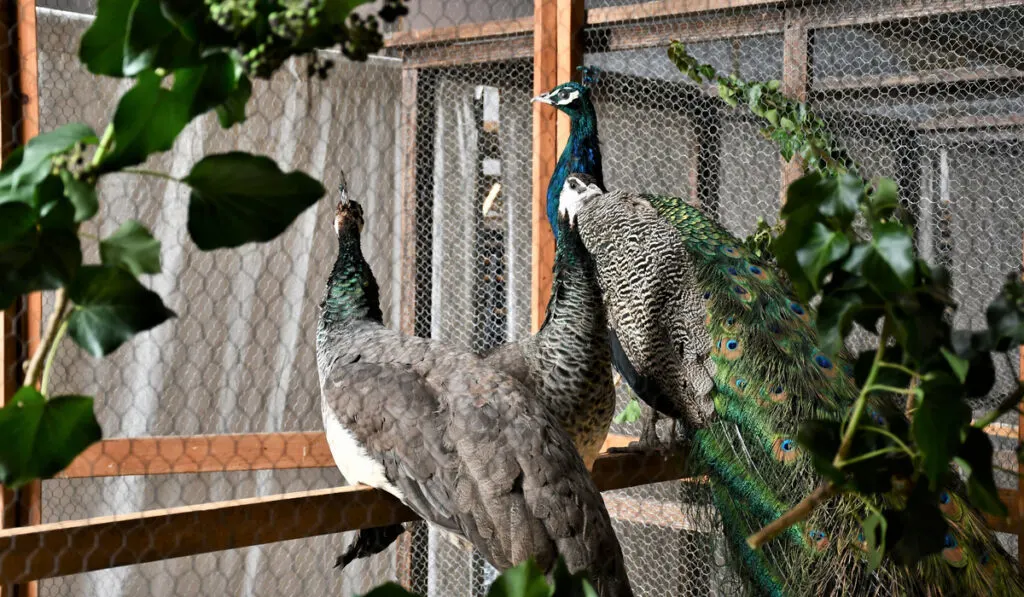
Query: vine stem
{"type": "Point", "coordinates": [108, 138]}
{"type": "Point", "coordinates": [862, 399]}
{"type": "Point", "coordinates": [45, 385]}
{"type": "Point", "coordinates": [153, 173]}
{"type": "Point", "coordinates": [52, 327]}
{"type": "Point", "coordinates": [824, 491]}
{"type": "Point", "coordinates": [793, 516]}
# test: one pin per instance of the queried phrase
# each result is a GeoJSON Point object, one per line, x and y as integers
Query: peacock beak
{"type": "Point", "coordinates": [543, 98]}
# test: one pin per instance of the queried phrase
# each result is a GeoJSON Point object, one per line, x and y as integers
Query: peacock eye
{"type": "Point", "coordinates": [563, 94]}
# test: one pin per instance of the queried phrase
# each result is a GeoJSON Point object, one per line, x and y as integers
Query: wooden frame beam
{"type": "Point", "coordinates": [19, 121]}
{"type": "Point", "coordinates": [201, 454]}
{"type": "Point", "coordinates": [796, 81]}
{"type": "Point", "coordinates": [110, 541]}
{"type": "Point", "coordinates": [545, 76]}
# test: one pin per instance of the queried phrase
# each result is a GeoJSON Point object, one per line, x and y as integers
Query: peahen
{"type": "Point", "coordinates": [582, 154]}
{"type": "Point", "coordinates": [769, 375]}
{"type": "Point", "coordinates": [466, 447]}
{"type": "Point", "coordinates": [566, 364]}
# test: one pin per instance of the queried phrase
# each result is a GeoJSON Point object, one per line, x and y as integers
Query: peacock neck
{"type": "Point", "coordinates": [582, 154]}
{"type": "Point", "coordinates": [352, 293]}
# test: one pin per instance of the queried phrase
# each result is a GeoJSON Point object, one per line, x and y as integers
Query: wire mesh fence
{"type": "Point", "coordinates": [435, 139]}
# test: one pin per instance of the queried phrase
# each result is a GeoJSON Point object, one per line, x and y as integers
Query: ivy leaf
{"type": "Point", "coordinates": [32, 165]}
{"type": "Point", "coordinates": [959, 366]}
{"type": "Point", "coordinates": [875, 527]}
{"type": "Point", "coordinates": [111, 306]}
{"type": "Point", "coordinates": [629, 414]}
{"type": "Point", "coordinates": [938, 422]}
{"type": "Point", "coordinates": [81, 194]}
{"type": "Point", "coordinates": [147, 120]}
{"type": "Point", "coordinates": [209, 84]}
{"type": "Point", "coordinates": [918, 530]}
{"type": "Point", "coordinates": [821, 248]}
{"type": "Point", "coordinates": [884, 198]}
{"type": "Point", "coordinates": [238, 198]}
{"type": "Point", "coordinates": [821, 439]}
{"type": "Point", "coordinates": [33, 257]}
{"type": "Point", "coordinates": [835, 319]}
{"type": "Point", "coordinates": [133, 247]}
{"type": "Point", "coordinates": [42, 437]}
{"type": "Point", "coordinates": [889, 267]}
{"type": "Point", "coordinates": [232, 110]}
{"type": "Point", "coordinates": [524, 580]}
{"type": "Point", "coordinates": [570, 585]}
{"type": "Point", "coordinates": [975, 458]}
{"type": "Point", "coordinates": [152, 41]}
{"type": "Point", "coordinates": [389, 589]}
{"type": "Point", "coordinates": [103, 44]}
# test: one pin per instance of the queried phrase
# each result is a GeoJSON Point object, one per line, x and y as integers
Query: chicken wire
{"type": "Point", "coordinates": [929, 93]}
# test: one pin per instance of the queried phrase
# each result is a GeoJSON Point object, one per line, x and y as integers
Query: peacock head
{"type": "Point", "coordinates": [348, 217]}
{"type": "Point", "coordinates": [576, 192]}
{"type": "Point", "coordinates": [572, 98]}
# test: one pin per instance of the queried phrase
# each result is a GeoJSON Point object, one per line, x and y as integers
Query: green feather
{"type": "Point", "coordinates": [770, 375]}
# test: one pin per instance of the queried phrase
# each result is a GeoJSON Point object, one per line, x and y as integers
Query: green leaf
{"type": "Point", "coordinates": [209, 84]}
{"type": "Point", "coordinates": [629, 414]}
{"type": "Point", "coordinates": [524, 580]}
{"type": "Point", "coordinates": [975, 458]}
{"type": "Point", "coordinates": [42, 437]}
{"type": "Point", "coordinates": [33, 257]}
{"type": "Point", "coordinates": [389, 589]}
{"type": "Point", "coordinates": [232, 110]}
{"type": "Point", "coordinates": [148, 119]}
{"type": "Point", "coordinates": [835, 319]}
{"type": "Point", "coordinates": [111, 306]}
{"type": "Point", "coordinates": [238, 198]}
{"type": "Point", "coordinates": [33, 164]}
{"type": "Point", "coordinates": [889, 267]}
{"type": "Point", "coordinates": [875, 527]}
{"type": "Point", "coordinates": [938, 422]}
{"type": "Point", "coordinates": [787, 124]}
{"type": "Point", "coordinates": [103, 44]}
{"type": "Point", "coordinates": [772, 116]}
{"type": "Point", "coordinates": [81, 194]}
{"type": "Point", "coordinates": [918, 530]}
{"type": "Point", "coordinates": [133, 247]}
{"type": "Point", "coordinates": [152, 41]}
{"type": "Point", "coordinates": [959, 366]}
{"type": "Point", "coordinates": [821, 439]}
{"type": "Point", "coordinates": [884, 198]}
{"type": "Point", "coordinates": [821, 248]}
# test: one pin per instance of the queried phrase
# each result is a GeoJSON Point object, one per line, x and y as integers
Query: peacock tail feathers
{"type": "Point", "coordinates": [771, 374]}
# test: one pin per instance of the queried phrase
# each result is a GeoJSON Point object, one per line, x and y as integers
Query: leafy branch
{"type": "Point", "coordinates": [524, 580]}
{"type": "Point", "coordinates": [878, 283]}
{"type": "Point", "coordinates": [187, 58]}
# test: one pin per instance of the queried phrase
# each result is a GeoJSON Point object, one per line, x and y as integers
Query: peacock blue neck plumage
{"type": "Point", "coordinates": [582, 154]}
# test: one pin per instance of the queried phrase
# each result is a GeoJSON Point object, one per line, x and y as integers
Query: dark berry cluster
{"type": "Point", "coordinates": [265, 33]}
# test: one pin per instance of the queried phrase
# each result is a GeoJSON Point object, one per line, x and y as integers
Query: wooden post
{"type": "Point", "coordinates": [545, 76]}
{"type": "Point", "coordinates": [796, 54]}
{"type": "Point", "coordinates": [1020, 484]}
{"type": "Point", "coordinates": [408, 233]}
{"type": "Point", "coordinates": [570, 53]}
{"type": "Point", "coordinates": [19, 122]}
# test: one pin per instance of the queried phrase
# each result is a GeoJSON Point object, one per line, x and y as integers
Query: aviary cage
{"type": "Point", "coordinates": [214, 477]}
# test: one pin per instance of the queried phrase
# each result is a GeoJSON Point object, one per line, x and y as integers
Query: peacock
{"type": "Point", "coordinates": [770, 374]}
{"type": "Point", "coordinates": [567, 363]}
{"type": "Point", "coordinates": [582, 154]}
{"type": "Point", "coordinates": [466, 447]}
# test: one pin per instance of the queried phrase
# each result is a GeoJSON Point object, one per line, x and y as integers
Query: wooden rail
{"type": "Point", "coordinates": [56, 549]}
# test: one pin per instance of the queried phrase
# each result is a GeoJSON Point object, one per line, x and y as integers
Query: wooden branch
{"type": "Point", "coordinates": [214, 454]}
{"type": "Point", "coordinates": [794, 515]}
{"type": "Point", "coordinates": [201, 454]}
{"type": "Point", "coordinates": [110, 541]}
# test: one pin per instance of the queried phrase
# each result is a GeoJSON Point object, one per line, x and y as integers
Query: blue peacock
{"type": "Point", "coordinates": [768, 374]}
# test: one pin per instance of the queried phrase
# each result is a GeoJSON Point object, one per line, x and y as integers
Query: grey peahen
{"type": "Point", "coordinates": [466, 447]}
{"type": "Point", "coordinates": [769, 375]}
